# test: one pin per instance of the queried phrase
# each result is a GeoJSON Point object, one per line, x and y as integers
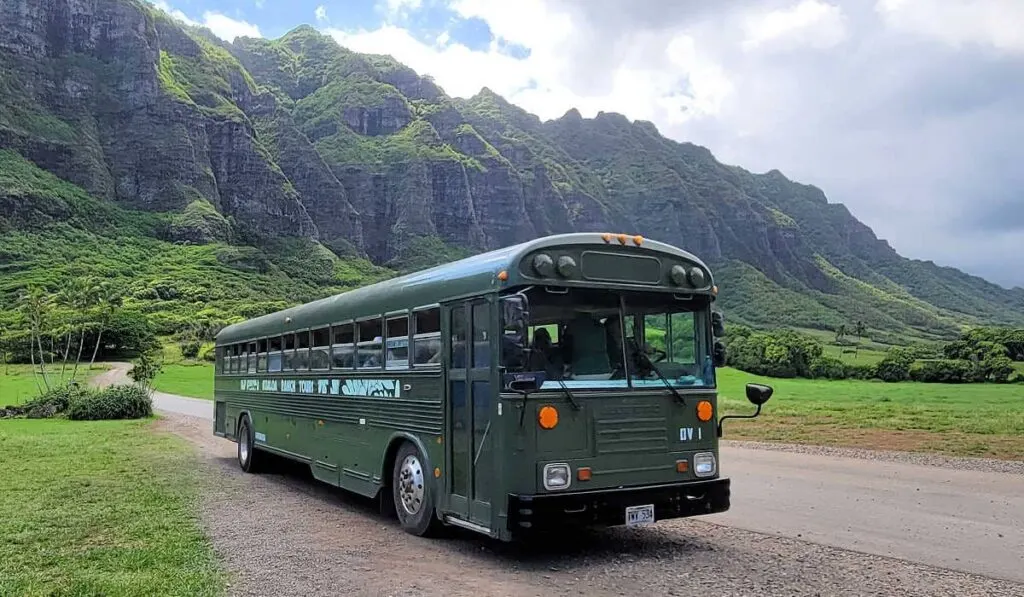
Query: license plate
{"type": "Point", "coordinates": [639, 515]}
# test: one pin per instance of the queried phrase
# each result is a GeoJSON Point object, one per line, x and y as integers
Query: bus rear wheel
{"type": "Point", "coordinates": [413, 492]}
{"type": "Point", "coordinates": [250, 459]}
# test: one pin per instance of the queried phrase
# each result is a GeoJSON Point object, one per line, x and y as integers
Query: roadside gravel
{"type": "Point", "coordinates": [284, 534]}
{"type": "Point", "coordinates": [988, 465]}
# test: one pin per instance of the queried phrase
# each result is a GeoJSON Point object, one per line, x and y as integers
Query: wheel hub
{"type": "Point", "coordinates": [410, 484]}
{"type": "Point", "coordinates": [243, 445]}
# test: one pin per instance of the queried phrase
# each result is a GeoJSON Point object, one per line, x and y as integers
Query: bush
{"type": "Point", "coordinates": [943, 371]}
{"type": "Point", "coordinates": [861, 371]}
{"type": "Point", "coordinates": [115, 402]}
{"type": "Point", "coordinates": [208, 353]}
{"type": "Point", "coordinates": [50, 404]}
{"type": "Point", "coordinates": [190, 348]}
{"type": "Point", "coordinates": [827, 367]}
{"type": "Point", "coordinates": [896, 364]}
{"type": "Point", "coordinates": [776, 354]}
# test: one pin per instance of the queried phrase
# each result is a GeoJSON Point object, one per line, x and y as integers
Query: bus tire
{"type": "Point", "coordinates": [413, 492]}
{"type": "Point", "coordinates": [250, 459]}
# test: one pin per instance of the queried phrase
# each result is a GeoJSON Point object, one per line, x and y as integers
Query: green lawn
{"type": "Point", "coordinates": [17, 384]}
{"type": "Point", "coordinates": [186, 378]}
{"type": "Point", "coordinates": [961, 419]}
{"type": "Point", "coordinates": [99, 508]}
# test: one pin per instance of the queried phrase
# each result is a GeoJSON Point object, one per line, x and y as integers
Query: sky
{"type": "Point", "coordinates": [909, 112]}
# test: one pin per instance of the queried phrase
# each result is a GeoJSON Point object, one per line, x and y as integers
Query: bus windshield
{"type": "Point", "coordinates": [575, 337]}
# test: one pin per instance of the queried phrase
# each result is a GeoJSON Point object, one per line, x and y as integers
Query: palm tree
{"type": "Point", "coordinates": [34, 306]}
{"type": "Point", "coordinates": [108, 302]}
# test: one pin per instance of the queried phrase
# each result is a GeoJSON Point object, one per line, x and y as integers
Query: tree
{"type": "Point", "coordinates": [840, 332]}
{"type": "Point", "coordinates": [34, 307]}
{"type": "Point", "coordinates": [145, 369]}
{"type": "Point", "coordinates": [109, 301]}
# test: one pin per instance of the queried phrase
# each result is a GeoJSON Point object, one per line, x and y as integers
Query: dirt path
{"type": "Point", "coordinates": [282, 533]}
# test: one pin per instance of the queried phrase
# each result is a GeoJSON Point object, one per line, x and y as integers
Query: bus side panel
{"type": "Point", "coordinates": [418, 411]}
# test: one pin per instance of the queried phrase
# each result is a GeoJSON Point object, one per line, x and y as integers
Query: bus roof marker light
{"type": "Point", "coordinates": [622, 239]}
{"type": "Point", "coordinates": [607, 237]}
{"type": "Point", "coordinates": [503, 275]}
{"type": "Point", "coordinates": [638, 240]}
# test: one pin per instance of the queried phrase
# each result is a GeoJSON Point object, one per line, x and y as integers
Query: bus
{"type": "Point", "coordinates": [567, 380]}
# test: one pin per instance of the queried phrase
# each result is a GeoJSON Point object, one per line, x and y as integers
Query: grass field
{"type": "Point", "coordinates": [966, 420]}
{"type": "Point", "coordinates": [101, 508]}
{"type": "Point", "coordinates": [18, 385]}
{"type": "Point", "coordinates": [186, 378]}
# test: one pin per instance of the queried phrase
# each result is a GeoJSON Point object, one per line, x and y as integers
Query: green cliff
{"type": "Point", "coordinates": [229, 179]}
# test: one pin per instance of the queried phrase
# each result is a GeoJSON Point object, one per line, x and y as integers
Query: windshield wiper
{"type": "Point", "coordinates": [560, 381]}
{"type": "Point", "coordinates": [647, 360]}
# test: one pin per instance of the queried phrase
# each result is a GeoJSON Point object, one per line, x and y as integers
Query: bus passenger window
{"type": "Point", "coordinates": [320, 357]}
{"type": "Point", "coordinates": [234, 350]}
{"type": "Point", "coordinates": [274, 356]}
{"type": "Point", "coordinates": [300, 362]}
{"type": "Point", "coordinates": [261, 356]}
{"type": "Point", "coordinates": [344, 346]}
{"type": "Point", "coordinates": [370, 346]}
{"type": "Point", "coordinates": [251, 360]}
{"type": "Point", "coordinates": [288, 353]}
{"type": "Point", "coordinates": [427, 339]}
{"type": "Point", "coordinates": [397, 343]}
{"type": "Point", "coordinates": [458, 344]}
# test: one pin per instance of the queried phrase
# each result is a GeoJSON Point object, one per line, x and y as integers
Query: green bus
{"type": "Point", "coordinates": [565, 380]}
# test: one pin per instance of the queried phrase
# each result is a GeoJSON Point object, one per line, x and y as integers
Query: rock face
{"type": "Point", "coordinates": [299, 137]}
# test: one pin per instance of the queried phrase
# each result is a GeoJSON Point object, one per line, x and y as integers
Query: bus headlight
{"type": "Point", "coordinates": [556, 476]}
{"type": "Point", "coordinates": [704, 464]}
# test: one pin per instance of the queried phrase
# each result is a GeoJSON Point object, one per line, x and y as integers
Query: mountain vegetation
{"type": "Point", "coordinates": [206, 182]}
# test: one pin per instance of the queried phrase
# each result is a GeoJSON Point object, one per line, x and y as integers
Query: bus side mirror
{"type": "Point", "coordinates": [719, 354]}
{"type": "Point", "coordinates": [717, 324]}
{"type": "Point", "coordinates": [757, 394]}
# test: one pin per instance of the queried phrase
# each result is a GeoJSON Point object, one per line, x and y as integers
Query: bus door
{"type": "Point", "coordinates": [470, 461]}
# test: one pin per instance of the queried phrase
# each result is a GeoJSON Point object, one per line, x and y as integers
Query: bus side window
{"type": "Point", "coordinates": [397, 340]}
{"type": "Point", "coordinates": [274, 356]}
{"type": "Point", "coordinates": [370, 344]}
{"type": "Point", "coordinates": [288, 352]}
{"type": "Point", "coordinates": [343, 349]}
{"type": "Point", "coordinates": [427, 340]}
{"type": "Point", "coordinates": [300, 361]}
{"type": "Point", "coordinates": [320, 358]}
{"type": "Point", "coordinates": [261, 356]}
{"type": "Point", "coordinates": [252, 358]}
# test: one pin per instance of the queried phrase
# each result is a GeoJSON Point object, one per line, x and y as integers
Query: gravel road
{"type": "Point", "coordinates": [284, 534]}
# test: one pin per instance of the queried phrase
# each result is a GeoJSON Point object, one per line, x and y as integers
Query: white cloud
{"type": "Point", "coordinates": [221, 25]}
{"type": "Point", "coordinates": [227, 28]}
{"type": "Point", "coordinates": [321, 13]}
{"type": "Point", "coordinates": [809, 23]}
{"type": "Point", "coordinates": [995, 23]}
{"type": "Point", "coordinates": [397, 9]}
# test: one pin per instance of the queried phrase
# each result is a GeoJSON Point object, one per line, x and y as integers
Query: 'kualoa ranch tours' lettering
{"type": "Point", "coordinates": [373, 388]}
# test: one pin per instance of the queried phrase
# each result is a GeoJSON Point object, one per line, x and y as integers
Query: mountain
{"type": "Point", "coordinates": [221, 180]}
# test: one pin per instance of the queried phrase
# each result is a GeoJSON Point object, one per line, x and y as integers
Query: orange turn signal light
{"type": "Point", "coordinates": [705, 411]}
{"type": "Point", "coordinates": [547, 417]}
{"type": "Point", "coordinates": [682, 466]}
{"type": "Point", "coordinates": [583, 473]}
{"type": "Point", "coordinates": [503, 275]}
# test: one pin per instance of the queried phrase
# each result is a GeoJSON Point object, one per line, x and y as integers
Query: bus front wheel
{"type": "Point", "coordinates": [413, 492]}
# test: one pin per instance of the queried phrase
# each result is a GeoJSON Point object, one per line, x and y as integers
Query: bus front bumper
{"type": "Point", "coordinates": [607, 507]}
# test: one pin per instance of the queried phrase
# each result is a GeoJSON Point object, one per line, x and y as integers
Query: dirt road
{"type": "Point", "coordinates": [949, 531]}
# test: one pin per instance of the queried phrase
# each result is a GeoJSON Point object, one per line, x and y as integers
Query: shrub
{"type": "Point", "coordinates": [942, 371]}
{"type": "Point", "coordinates": [827, 367]}
{"type": "Point", "coordinates": [115, 402]}
{"type": "Point", "coordinates": [860, 371]}
{"type": "Point", "coordinates": [50, 404]}
{"type": "Point", "coordinates": [896, 364]}
{"type": "Point", "coordinates": [190, 348]}
{"type": "Point", "coordinates": [208, 353]}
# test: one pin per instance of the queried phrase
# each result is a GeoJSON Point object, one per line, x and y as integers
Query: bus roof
{"type": "Point", "coordinates": [465, 277]}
